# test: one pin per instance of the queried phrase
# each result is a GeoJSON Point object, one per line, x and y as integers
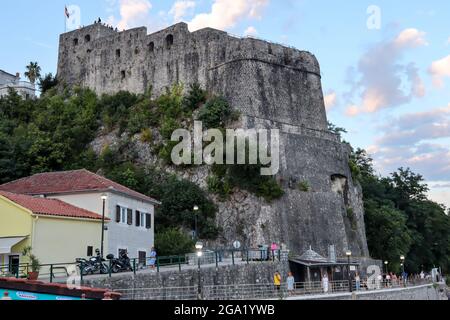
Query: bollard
{"type": "Point", "coordinates": [157, 264]}
{"type": "Point", "coordinates": [51, 273]}
{"type": "Point", "coordinates": [232, 256]}
{"type": "Point", "coordinates": [6, 296]}
{"type": "Point", "coordinates": [134, 266]}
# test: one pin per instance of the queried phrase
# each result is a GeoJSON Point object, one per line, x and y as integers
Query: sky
{"type": "Point", "coordinates": [385, 64]}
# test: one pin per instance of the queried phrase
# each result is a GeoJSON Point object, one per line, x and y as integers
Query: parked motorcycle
{"type": "Point", "coordinates": [93, 265]}
{"type": "Point", "coordinates": [120, 264]}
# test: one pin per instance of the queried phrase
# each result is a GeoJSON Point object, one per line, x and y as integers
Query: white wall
{"type": "Point", "coordinates": [118, 236]}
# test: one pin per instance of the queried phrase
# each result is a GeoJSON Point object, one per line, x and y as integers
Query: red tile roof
{"type": "Point", "coordinates": [69, 182]}
{"type": "Point", "coordinates": [50, 207]}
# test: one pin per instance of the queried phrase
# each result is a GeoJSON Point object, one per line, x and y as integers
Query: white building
{"type": "Point", "coordinates": [132, 213]}
{"type": "Point", "coordinates": [24, 88]}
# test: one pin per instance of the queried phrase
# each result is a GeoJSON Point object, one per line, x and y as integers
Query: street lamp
{"type": "Point", "coordinates": [386, 264]}
{"type": "Point", "coordinates": [104, 197]}
{"type": "Point", "coordinates": [348, 253]}
{"type": "Point", "coordinates": [196, 209]}
{"type": "Point", "coordinates": [199, 248]}
{"type": "Point", "coordinates": [402, 259]}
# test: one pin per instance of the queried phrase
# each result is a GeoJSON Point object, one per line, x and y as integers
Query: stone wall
{"type": "Point", "coordinates": [425, 292]}
{"type": "Point", "coordinates": [272, 86]}
{"type": "Point", "coordinates": [253, 273]}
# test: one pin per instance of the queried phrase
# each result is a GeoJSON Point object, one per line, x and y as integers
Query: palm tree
{"type": "Point", "coordinates": [33, 72]}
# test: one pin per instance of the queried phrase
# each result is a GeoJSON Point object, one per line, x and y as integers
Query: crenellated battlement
{"type": "Point", "coordinates": [260, 78]}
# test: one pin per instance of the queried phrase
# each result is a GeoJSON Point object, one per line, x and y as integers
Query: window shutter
{"type": "Point", "coordinates": [148, 222]}
{"type": "Point", "coordinates": [130, 217]}
{"type": "Point", "coordinates": [138, 219]}
{"type": "Point", "coordinates": [118, 214]}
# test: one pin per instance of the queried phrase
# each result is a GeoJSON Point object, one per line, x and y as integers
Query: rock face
{"type": "Point", "coordinates": [272, 86]}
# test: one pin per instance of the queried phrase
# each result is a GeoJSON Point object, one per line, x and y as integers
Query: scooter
{"type": "Point", "coordinates": [121, 264]}
{"type": "Point", "coordinates": [93, 265]}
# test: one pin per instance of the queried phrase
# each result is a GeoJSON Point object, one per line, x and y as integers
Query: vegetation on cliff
{"type": "Point", "coordinates": [55, 132]}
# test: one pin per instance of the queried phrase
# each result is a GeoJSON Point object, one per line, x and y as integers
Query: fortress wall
{"type": "Point", "coordinates": [272, 86]}
{"type": "Point", "coordinates": [259, 78]}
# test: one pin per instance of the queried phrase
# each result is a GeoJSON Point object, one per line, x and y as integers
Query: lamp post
{"type": "Point", "coordinates": [386, 266]}
{"type": "Point", "coordinates": [348, 253]}
{"type": "Point", "coordinates": [104, 198]}
{"type": "Point", "coordinates": [196, 208]}
{"type": "Point", "coordinates": [402, 259]}
{"type": "Point", "coordinates": [199, 248]}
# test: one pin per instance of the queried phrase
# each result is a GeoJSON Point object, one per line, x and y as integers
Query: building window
{"type": "Point", "coordinates": [123, 74]}
{"type": "Point", "coordinates": [75, 41]}
{"type": "Point", "coordinates": [142, 257]}
{"type": "Point", "coordinates": [136, 51]}
{"type": "Point", "coordinates": [148, 221]}
{"type": "Point", "coordinates": [169, 41]}
{"type": "Point", "coordinates": [151, 46]}
{"type": "Point", "coordinates": [87, 38]}
{"type": "Point", "coordinates": [123, 215]}
{"type": "Point", "coordinates": [118, 53]}
{"type": "Point", "coordinates": [90, 251]}
{"type": "Point", "coordinates": [129, 217]}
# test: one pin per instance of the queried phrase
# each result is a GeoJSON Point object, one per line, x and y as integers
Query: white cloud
{"type": "Point", "coordinates": [251, 31]}
{"type": "Point", "coordinates": [180, 9]}
{"type": "Point", "coordinates": [226, 14]}
{"type": "Point", "coordinates": [439, 70]}
{"type": "Point", "coordinates": [134, 13]}
{"type": "Point", "coordinates": [411, 38]}
{"type": "Point", "coordinates": [330, 100]}
{"type": "Point", "coordinates": [379, 79]}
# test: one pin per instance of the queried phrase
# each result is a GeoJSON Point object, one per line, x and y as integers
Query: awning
{"type": "Point", "coordinates": [314, 264]}
{"type": "Point", "coordinates": [6, 244]}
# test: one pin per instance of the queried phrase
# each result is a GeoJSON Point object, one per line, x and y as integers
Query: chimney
{"type": "Point", "coordinates": [18, 75]}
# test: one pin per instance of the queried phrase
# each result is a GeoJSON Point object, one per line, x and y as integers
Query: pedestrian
{"type": "Point", "coordinates": [277, 281]}
{"type": "Point", "coordinates": [273, 248]}
{"type": "Point", "coordinates": [388, 280]}
{"type": "Point", "coordinates": [152, 261]}
{"type": "Point", "coordinates": [358, 282]}
{"type": "Point", "coordinates": [325, 283]}
{"type": "Point", "coordinates": [379, 280]}
{"type": "Point", "coordinates": [290, 283]}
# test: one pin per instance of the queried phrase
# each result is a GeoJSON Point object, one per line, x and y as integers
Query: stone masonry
{"type": "Point", "coordinates": [272, 86]}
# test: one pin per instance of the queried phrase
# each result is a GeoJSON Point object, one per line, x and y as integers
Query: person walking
{"type": "Point", "coordinates": [325, 283]}
{"type": "Point", "coordinates": [277, 281]}
{"type": "Point", "coordinates": [290, 283]}
{"type": "Point", "coordinates": [152, 260]}
{"type": "Point", "coordinates": [358, 282]}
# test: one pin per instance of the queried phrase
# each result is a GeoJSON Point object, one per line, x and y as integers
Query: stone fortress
{"type": "Point", "coordinates": [273, 86]}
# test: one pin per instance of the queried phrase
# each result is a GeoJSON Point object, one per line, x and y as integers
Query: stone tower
{"type": "Point", "coordinates": [273, 86]}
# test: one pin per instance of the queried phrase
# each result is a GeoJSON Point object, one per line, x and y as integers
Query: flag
{"type": "Point", "coordinates": [67, 12]}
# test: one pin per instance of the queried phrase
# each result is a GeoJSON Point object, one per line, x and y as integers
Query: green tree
{"type": "Point", "coordinates": [173, 242]}
{"type": "Point", "coordinates": [33, 72]}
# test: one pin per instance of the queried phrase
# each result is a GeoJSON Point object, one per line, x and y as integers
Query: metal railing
{"type": "Point", "coordinates": [233, 292]}
{"type": "Point", "coordinates": [251, 291]}
{"type": "Point", "coordinates": [60, 271]}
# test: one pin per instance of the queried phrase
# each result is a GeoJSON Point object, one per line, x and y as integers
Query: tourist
{"type": "Point", "coordinates": [358, 282]}
{"type": "Point", "coordinates": [277, 281]}
{"type": "Point", "coordinates": [379, 280]}
{"type": "Point", "coordinates": [388, 280]}
{"type": "Point", "coordinates": [274, 248]}
{"type": "Point", "coordinates": [152, 261]}
{"type": "Point", "coordinates": [290, 283]}
{"type": "Point", "coordinates": [325, 283]}
{"type": "Point", "coordinates": [422, 275]}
